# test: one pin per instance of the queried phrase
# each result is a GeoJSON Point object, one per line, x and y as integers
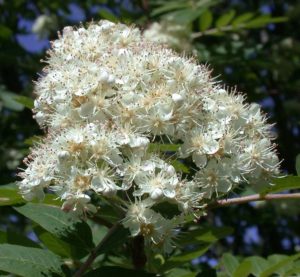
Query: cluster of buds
{"type": "Point", "coordinates": [106, 97]}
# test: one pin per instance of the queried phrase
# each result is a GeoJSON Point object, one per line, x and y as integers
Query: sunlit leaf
{"type": "Point", "coordinates": [283, 184]}
{"type": "Point", "coordinates": [225, 19]}
{"type": "Point", "coordinates": [205, 20]}
{"type": "Point", "coordinates": [230, 263]}
{"type": "Point", "coordinates": [25, 101]}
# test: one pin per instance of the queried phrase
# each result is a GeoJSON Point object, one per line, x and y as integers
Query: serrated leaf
{"type": "Point", "coordinates": [243, 270]}
{"type": "Point", "coordinates": [205, 20]}
{"type": "Point", "coordinates": [298, 164]}
{"type": "Point", "coordinates": [113, 271]}
{"type": "Point", "coordinates": [25, 101]}
{"type": "Point", "coordinates": [29, 262]}
{"type": "Point", "coordinates": [242, 19]}
{"type": "Point", "coordinates": [230, 263]}
{"type": "Point", "coordinates": [62, 225]}
{"type": "Point", "coordinates": [282, 184]}
{"type": "Point", "coordinates": [225, 19]}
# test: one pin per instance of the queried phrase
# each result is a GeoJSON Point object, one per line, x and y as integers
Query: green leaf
{"type": "Point", "coordinates": [108, 15]}
{"type": "Point", "coordinates": [9, 100]}
{"type": "Point", "coordinates": [186, 16]}
{"type": "Point", "coordinates": [180, 272]}
{"type": "Point", "coordinates": [282, 184]}
{"type": "Point", "coordinates": [32, 140]}
{"type": "Point", "coordinates": [205, 20]}
{"type": "Point", "coordinates": [209, 234]}
{"type": "Point", "coordinates": [29, 262]}
{"type": "Point", "coordinates": [25, 101]}
{"type": "Point", "coordinates": [230, 263]}
{"type": "Point", "coordinates": [243, 270]}
{"type": "Point", "coordinates": [298, 164]}
{"type": "Point", "coordinates": [225, 19]}
{"type": "Point", "coordinates": [56, 245]}
{"type": "Point", "coordinates": [276, 266]}
{"type": "Point", "coordinates": [263, 20]}
{"type": "Point", "coordinates": [242, 19]}
{"type": "Point", "coordinates": [181, 259]}
{"type": "Point", "coordinates": [292, 272]}
{"type": "Point", "coordinates": [170, 6]}
{"type": "Point", "coordinates": [113, 271]}
{"type": "Point", "coordinates": [179, 166]}
{"type": "Point", "coordinates": [62, 225]}
{"type": "Point", "coordinates": [202, 239]}
{"type": "Point", "coordinates": [258, 264]}
{"type": "Point", "coordinates": [10, 196]}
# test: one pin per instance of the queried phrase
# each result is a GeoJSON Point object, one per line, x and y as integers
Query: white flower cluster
{"type": "Point", "coordinates": [106, 97]}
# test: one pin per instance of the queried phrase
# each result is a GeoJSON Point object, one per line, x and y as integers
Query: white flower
{"type": "Point", "coordinates": [103, 181]}
{"type": "Point", "coordinates": [157, 230]}
{"type": "Point", "coordinates": [157, 185]}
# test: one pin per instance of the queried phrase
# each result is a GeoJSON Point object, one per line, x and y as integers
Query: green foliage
{"type": "Point", "coordinates": [257, 266]}
{"type": "Point", "coordinates": [28, 262]}
{"type": "Point", "coordinates": [229, 23]}
{"type": "Point", "coordinates": [205, 20]}
{"type": "Point", "coordinates": [201, 239]}
{"type": "Point", "coordinates": [9, 100]}
{"type": "Point", "coordinates": [10, 196]}
{"type": "Point", "coordinates": [113, 271]}
{"type": "Point", "coordinates": [64, 226]}
{"type": "Point", "coordinates": [283, 184]}
{"type": "Point", "coordinates": [225, 19]}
